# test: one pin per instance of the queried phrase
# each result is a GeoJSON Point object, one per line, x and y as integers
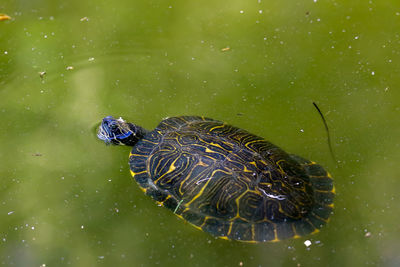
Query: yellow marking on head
{"type": "Point", "coordinates": [330, 205]}
{"type": "Point", "coordinates": [224, 237]}
{"type": "Point", "coordinates": [329, 175]}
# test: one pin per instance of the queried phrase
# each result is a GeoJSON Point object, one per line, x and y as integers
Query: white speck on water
{"type": "Point", "coordinates": [302, 130]}
{"type": "Point", "coordinates": [260, 11]}
{"type": "Point", "coordinates": [91, 59]}
{"type": "Point", "coordinates": [33, 227]}
{"type": "Point", "coordinates": [372, 72]}
{"type": "Point", "coordinates": [10, 212]}
{"type": "Point", "coordinates": [241, 11]}
{"type": "Point", "coordinates": [45, 36]}
{"type": "Point", "coordinates": [307, 243]}
{"type": "Point", "coordinates": [5, 53]}
{"type": "Point", "coordinates": [101, 257]}
{"type": "Point", "coordinates": [356, 37]}
{"type": "Point", "coordinates": [315, 1]}
{"type": "Point", "coordinates": [397, 13]}
{"type": "Point", "coordinates": [82, 227]}
{"type": "Point", "coordinates": [193, 58]}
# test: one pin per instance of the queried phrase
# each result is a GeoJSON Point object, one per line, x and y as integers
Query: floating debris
{"type": "Point", "coordinates": [307, 243]}
{"type": "Point", "coordinates": [84, 19]}
{"type": "Point", "coordinates": [225, 49]}
{"type": "Point", "coordinates": [70, 68]}
{"type": "Point", "coordinates": [42, 74]}
{"type": "Point", "coordinates": [368, 234]}
{"type": "Point", "coordinates": [4, 17]}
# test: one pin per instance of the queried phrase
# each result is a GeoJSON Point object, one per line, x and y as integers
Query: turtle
{"type": "Point", "coordinates": [225, 180]}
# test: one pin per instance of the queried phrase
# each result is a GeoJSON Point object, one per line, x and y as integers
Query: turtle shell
{"type": "Point", "coordinates": [231, 183]}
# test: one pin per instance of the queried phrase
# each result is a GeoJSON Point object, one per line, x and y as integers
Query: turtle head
{"type": "Point", "coordinates": [119, 132]}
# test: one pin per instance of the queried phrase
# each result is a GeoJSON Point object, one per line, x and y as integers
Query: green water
{"type": "Point", "coordinates": [67, 199]}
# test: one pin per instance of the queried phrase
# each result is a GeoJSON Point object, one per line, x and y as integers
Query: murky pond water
{"type": "Point", "coordinates": [67, 199]}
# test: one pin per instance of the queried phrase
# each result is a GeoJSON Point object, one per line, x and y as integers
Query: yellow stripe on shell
{"type": "Point", "coordinates": [276, 239]}
{"type": "Point", "coordinates": [217, 127]}
{"type": "Point", "coordinates": [201, 190]}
